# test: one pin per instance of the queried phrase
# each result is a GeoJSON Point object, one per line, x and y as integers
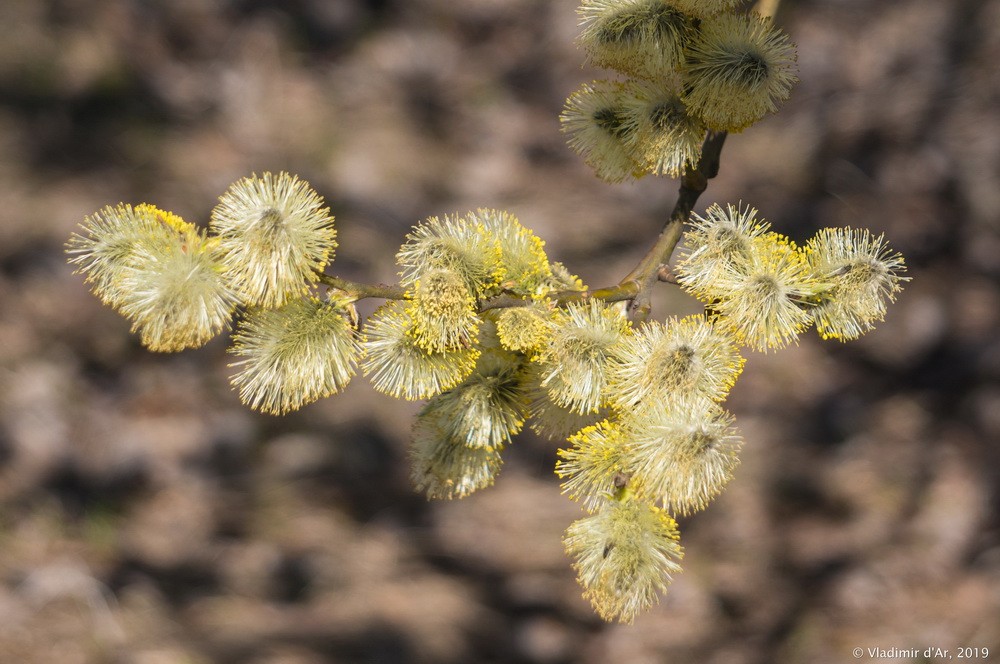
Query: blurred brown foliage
{"type": "Point", "coordinates": [147, 517]}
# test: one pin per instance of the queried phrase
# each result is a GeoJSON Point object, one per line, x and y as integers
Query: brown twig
{"type": "Point", "coordinates": [360, 291]}
{"type": "Point", "coordinates": [617, 293]}
{"type": "Point", "coordinates": [693, 183]}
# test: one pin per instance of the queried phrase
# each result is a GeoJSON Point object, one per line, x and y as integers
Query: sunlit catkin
{"type": "Point", "coordinates": [457, 244]}
{"type": "Point", "coordinates": [662, 135]}
{"type": "Point", "coordinates": [765, 302]}
{"type": "Point", "coordinates": [863, 275]}
{"type": "Point", "coordinates": [683, 457]}
{"type": "Point", "coordinates": [719, 242]}
{"type": "Point", "coordinates": [293, 355]}
{"type": "Point", "coordinates": [275, 235]}
{"type": "Point", "coordinates": [443, 312]}
{"type": "Point", "coordinates": [110, 240]}
{"type": "Point", "coordinates": [443, 466]}
{"type": "Point", "coordinates": [174, 292]}
{"type": "Point", "coordinates": [737, 68]}
{"type": "Point", "coordinates": [524, 329]}
{"type": "Point", "coordinates": [594, 117]}
{"type": "Point", "coordinates": [574, 364]}
{"type": "Point", "coordinates": [624, 556]}
{"type": "Point", "coordinates": [598, 462]}
{"type": "Point", "coordinates": [682, 360]}
{"type": "Point", "coordinates": [642, 38]}
{"type": "Point", "coordinates": [397, 365]}
{"type": "Point", "coordinates": [525, 267]}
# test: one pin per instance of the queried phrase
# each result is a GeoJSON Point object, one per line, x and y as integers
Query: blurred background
{"type": "Point", "coordinates": [147, 517]}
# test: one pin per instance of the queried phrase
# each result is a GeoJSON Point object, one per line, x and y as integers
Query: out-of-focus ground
{"type": "Point", "coordinates": [146, 517]}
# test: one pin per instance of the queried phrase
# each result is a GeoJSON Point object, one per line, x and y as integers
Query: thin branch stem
{"type": "Point", "coordinates": [360, 291]}
{"type": "Point", "coordinates": [693, 183]}
{"type": "Point", "coordinates": [617, 293]}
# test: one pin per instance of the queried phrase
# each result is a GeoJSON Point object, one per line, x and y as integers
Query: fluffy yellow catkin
{"type": "Point", "coordinates": [275, 236]}
{"type": "Point", "coordinates": [574, 364]}
{"type": "Point", "coordinates": [400, 367]}
{"type": "Point", "coordinates": [641, 38]}
{"type": "Point", "coordinates": [158, 271]}
{"type": "Point", "coordinates": [294, 355]}
{"type": "Point", "coordinates": [443, 311]}
{"type": "Point", "coordinates": [680, 360]}
{"type": "Point", "coordinates": [862, 273]}
{"type": "Point", "coordinates": [736, 70]}
{"type": "Point", "coordinates": [595, 119]}
{"type": "Point", "coordinates": [662, 136]}
{"type": "Point", "coordinates": [624, 555]}
{"type": "Point", "coordinates": [682, 457]}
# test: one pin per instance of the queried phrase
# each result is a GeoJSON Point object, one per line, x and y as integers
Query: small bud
{"type": "Point", "coordinates": [563, 279]}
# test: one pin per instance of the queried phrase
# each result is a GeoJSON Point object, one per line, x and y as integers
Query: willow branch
{"type": "Point", "coordinates": [617, 293]}
{"type": "Point", "coordinates": [360, 291]}
{"type": "Point", "coordinates": [693, 183]}
{"type": "Point", "coordinates": [637, 284]}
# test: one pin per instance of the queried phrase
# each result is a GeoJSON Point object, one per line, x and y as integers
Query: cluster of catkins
{"type": "Point", "coordinates": [639, 405]}
{"type": "Point", "coordinates": [688, 66]}
{"type": "Point", "coordinates": [666, 446]}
